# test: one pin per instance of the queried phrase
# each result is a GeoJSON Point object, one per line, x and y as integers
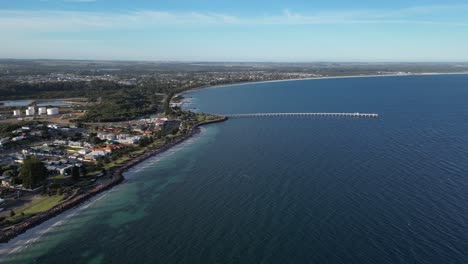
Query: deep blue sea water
{"type": "Point", "coordinates": [291, 189]}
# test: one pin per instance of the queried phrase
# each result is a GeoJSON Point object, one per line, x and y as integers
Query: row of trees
{"type": "Point", "coordinates": [145, 141]}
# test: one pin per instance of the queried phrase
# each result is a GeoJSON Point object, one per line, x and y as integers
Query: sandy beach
{"type": "Point", "coordinates": [322, 78]}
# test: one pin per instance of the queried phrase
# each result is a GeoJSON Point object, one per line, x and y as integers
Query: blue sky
{"type": "Point", "coordinates": [241, 30]}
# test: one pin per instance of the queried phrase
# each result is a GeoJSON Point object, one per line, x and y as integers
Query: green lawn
{"type": "Point", "coordinates": [37, 205]}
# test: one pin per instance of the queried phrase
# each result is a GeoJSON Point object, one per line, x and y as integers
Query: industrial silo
{"type": "Point", "coordinates": [32, 110]}
{"type": "Point", "coordinates": [52, 111]}
{"type": "Point", "coordinates": [42, 110]}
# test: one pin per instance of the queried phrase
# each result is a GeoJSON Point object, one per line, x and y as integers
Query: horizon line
{"type": "Point", "coordinates": [220, 61]}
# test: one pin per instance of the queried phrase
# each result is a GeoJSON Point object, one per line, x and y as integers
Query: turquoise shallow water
{"type": "Point", "coordinates": [292, 190]}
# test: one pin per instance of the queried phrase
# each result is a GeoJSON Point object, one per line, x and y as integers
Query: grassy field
{"type": "Point", "coordinates": [38, 205]}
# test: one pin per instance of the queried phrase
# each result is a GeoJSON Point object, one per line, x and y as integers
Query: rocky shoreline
{"type": "Point", "coordinates": [116, 178]}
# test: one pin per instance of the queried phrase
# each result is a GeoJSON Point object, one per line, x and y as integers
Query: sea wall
{"type": "Point", "coordinates": [116, 178]}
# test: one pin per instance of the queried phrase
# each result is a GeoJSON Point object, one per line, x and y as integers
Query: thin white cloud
{"type": "Point", "coordinates": [60, 21]}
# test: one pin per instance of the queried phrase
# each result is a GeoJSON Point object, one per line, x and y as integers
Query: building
{"type": "Point", "coordinates": [54, 126]}
{"type": "Point", "coordinates": [3, 141]}
{"type": "Point", "coordinates": [18, 138]}
{"type": "Point", "coordinates": [84, 151]}
{"type": "Point", "coordinates": [60, 142]}
{"type": "Point", "coordinates": [53, 111]}
{"type": "Point", "coordinates": [43, 152]}
{"type": "Point", "coordinates": [29, 112]}
{"type": "Point", "coordinates": [32, 110]}
{"type": "Point", "coordinates": [75, 143]}
{"type": "Point", "coordinates": [42, 110]}
{"type": "Point", "coordinates": [127, 139]}
{"type": "Point", "coordinates": [62, 167]}
{"type": "Point", "coordinates": [6, 181]}
{"type": "Point", "coordinates": [93, 155]}
{"type": "Point", "coordinates": [160, 122]}
{"type": "Point", "coordinates": [16, 112]}
{"type": "Point", "coordinates": [106, 136]}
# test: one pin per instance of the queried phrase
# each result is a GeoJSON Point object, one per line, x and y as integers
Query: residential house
{"type": "Point", "coordinates": [3, 141]}
{"type": "Point", "coordinates": [84, 151]}
{"type": "Point", "coordinates": [60, 142]}
{"type": "Point", "coordinates": [127, 139]}
{"type": "Point", "coordinates": [75, 143]}
{"type": "Point", "coordinates": [18, 138]}
{"type": "Point", "coordinates": [43, 152]}
{"type": "Point", "coordinates": [6, 181]}
{"type": "Point", "coordinates": [106, 136]}
{"type": "Point", "coordinates": [95, 154]}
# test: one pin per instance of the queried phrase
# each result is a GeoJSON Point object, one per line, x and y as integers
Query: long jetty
{"type": "Point", "coordinates": [365, 115]}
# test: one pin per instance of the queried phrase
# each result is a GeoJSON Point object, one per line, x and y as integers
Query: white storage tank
{"type": "Point", "coordinates": [16, 112]}
{"type": "Point", "coordinates": [52, 111]}
{"type": "Point", "coordinates": [29, 112]}
{"type": "Point", "coordinates": [42, 110]}
{"type": "Point", "coordinates": [32, 109]}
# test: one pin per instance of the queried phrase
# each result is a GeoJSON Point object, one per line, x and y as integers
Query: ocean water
{"type": "Point", "coordinates": [289, 189]}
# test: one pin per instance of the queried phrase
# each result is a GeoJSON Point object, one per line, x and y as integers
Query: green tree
{"type": "Point", "coordinates": [16, 180]}
{"type": "Point", "coordinates": [45, 131]}
{"type": "Point", "coordinates": [32, 172]}
{"type": "Point", "coordinates": [144, 141]}
{"type": "Point", "coordinates": [75, 173]}
{"type": "Point", "coordinates": [99, 163]}
{"type": "Point", "coordinates": [83, 171]}
{"type": "Point", "coordinates": [10, 173]}
{"type": "Point", "coordinates": [95, 140]}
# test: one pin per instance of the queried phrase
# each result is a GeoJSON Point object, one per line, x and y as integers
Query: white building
{"type": "Point", "coordinates": [32, 109]}
{"type": "Point", "coordinates": [84, 151]}
{"type": "Point", "coordinates": [93, 155]}
{"type": "Point", "coordinates": [106, 136]}
{"type": "Point", "coordinates": [4, 140]}
{"type": "Point", "coordinates": [29, 112]}
{"type": "Point", "coordinates": [16, 112]}
{"type": "Point", "coordinates": [75, 143]}
{"type": "Point", "coordinates": [42, 110]}
{"type": "Point", "coordinates": [60, 142]}
{"type": "Point", "coordinates": [127, 139]}
{"type": "Point", "coordinates": [52, 111]}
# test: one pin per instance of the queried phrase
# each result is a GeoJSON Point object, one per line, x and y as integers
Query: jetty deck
{"type": "Point", "coordinates": [365, 115]}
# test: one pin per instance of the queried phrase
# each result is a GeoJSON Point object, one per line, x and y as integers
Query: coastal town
{"type": "Point", "coordinates": [69, 129]}
{"type": "Point", "coordinates": [273, 132]}
{"type": "Point", "coordinates": [46, 165]}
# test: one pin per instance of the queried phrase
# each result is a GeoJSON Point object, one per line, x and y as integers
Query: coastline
{"type": "Point", "coordinates": [321, 78]}
{"type": "Point", "coordinates": [117, 177]}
